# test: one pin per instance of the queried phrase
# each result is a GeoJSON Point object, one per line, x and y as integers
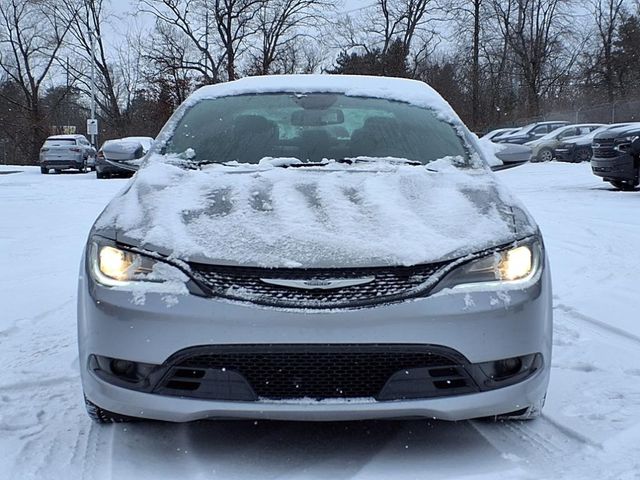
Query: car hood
{"type": "Point", "coordinates": [314, 217]}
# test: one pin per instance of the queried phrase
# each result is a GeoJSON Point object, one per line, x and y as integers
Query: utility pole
{"type": "Point", "coordinates": [93, 85]}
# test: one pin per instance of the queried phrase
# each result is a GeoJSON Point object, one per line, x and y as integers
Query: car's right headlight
{"type": "Point", "coordinates": [514, 266]}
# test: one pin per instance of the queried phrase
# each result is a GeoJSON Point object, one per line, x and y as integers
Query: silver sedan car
{"type": "Point", "coordinates": [314, 248]}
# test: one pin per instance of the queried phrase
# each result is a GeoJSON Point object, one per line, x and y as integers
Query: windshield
{"type": "Point", "coordinates": [313, 127]}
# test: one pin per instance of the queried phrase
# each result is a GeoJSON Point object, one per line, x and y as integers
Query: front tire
{"type": "Point", "coordinates": [624, 186]}
{"type": "Point", "coordinates": [545, 155]}
{"type": "Point", "coordinates": [44, 170]}
{"type": "Point", "coordinates": [102, 416]}
{"type": "Point", "coordinates": [582, 155]}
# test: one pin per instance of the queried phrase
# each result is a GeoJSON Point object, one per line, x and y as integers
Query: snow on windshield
{"type": "Point", "coordinates": [327, 216]}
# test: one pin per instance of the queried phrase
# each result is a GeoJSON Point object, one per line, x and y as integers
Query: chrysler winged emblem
{"type": "Point", "coordinates": [318, 283]}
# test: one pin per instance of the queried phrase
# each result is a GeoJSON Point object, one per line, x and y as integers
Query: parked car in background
{"type": "Point", "coordinates": [543, 149]}
{"type": "Point", "coordinates": [612, 158]}
{"type": "Point", "coordinates": [113, 155]}
{"type": "Point", "coordinates": [530, 132]}
{"type": "Point", "coordinates": [63, 152]}
{"type": "Point", "coordinates": [294, 270]}
{"type": "Point", "coordinates": [493, 135]}
{"type": "Point", "coordinates": [579, 149]}
{"type": "Point", "coordinates": [511, 154]}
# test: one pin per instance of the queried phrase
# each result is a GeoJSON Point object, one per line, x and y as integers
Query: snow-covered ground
{"type": "Point", "coordinates": [590, 427]}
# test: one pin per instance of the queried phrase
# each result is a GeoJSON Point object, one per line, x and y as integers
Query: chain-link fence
{"type": "Point", "coordinates": [616, 112]}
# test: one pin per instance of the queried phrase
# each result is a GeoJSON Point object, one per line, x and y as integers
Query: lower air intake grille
{"type": "Point", "coordinates": [280, 372]}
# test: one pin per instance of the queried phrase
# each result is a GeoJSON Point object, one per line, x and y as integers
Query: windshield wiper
{"type": "Point", "coordinates": [400, 161]}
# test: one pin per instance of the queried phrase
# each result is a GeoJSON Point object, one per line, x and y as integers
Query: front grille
{"type": "Point", "coordinates": [604, 148]}
{"type": "Point", "coordinates": [605, 152]}
{"type": "Point", "coordinates": [388, 284]}
{"type": "Point", "coordinates": [279, 372]}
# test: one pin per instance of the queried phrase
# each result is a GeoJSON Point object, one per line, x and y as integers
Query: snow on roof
{"type": "Point", "coordinates": [68, 136]}
{"type": "Point", "coordinates": [399, 89]}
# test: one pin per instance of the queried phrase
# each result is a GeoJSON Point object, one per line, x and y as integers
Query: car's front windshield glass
{"type": "Point", "coordinates": [311, 128]}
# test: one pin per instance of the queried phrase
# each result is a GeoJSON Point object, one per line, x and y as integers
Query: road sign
{"type": "Point", "coordinates": [92, 126]}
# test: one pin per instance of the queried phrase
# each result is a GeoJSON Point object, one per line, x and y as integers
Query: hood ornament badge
{"type": "Point", "coordinates": [318, 283]}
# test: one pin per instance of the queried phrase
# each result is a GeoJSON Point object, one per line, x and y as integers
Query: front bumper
{"type": "Point", "coordinates": [530, 392]}
{"type": "Point", "coordinates": [482, 326]}
{"type": "Point", "coordinates": [619, 168]}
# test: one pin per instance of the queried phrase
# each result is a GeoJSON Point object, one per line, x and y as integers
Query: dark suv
{"type": "Point", "coordinates": [612, 158]}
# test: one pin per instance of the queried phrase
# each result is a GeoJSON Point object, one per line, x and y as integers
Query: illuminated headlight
{"type": "Point", "coordinates": [515, 266]}
{"type": "Point", "coordinates": [114, 266]}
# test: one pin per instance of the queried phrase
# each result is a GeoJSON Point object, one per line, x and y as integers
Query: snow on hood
{"type": "Point", "coordinates": [327, 216]}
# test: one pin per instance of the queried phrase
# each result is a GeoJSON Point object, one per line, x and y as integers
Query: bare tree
{"type": "Point", "coordinates": [117, 65]}
{"type": "Point", "coordinates": [607, 15]}
{"type": "Point", "coordinates": [535, 31]}
{"type": "Point", "coordinates": [384, 23]}
{"type": "Point", "coordinates": [31, 35]}
{"type": "Point", "coordinates": [178, 21]}
{"type": "Point", "coordinates": [463, 13]}
{"type": "Point", "coordinates": [172, 62]}
{"type": "Point", "coordinates": [280, 24]}
{"type": "Point", "coordinates": [234, 22]}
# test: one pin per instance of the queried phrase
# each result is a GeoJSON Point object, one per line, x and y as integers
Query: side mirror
{"type": "Point", "coordinates": [635, 147]}
{"type": "Point", "coordinates": [512, 156]}
{"type": "Point", "coordinates": [507, 165]}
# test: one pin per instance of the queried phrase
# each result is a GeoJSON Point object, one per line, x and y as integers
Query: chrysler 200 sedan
{"type": "Point", "coordinates": [314, 248]}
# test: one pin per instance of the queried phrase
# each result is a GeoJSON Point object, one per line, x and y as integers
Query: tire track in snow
{"type": "Point", "coordinates": [610, 329]}
{"type": "Point", "coordinates": [542, 444]}
{"type": "Point", "coordinates": [16, 324]}
{"type": "Point", "coordinates": [97, 452]}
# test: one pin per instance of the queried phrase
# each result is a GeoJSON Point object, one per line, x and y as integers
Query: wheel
{"type": "Point", "coordinates": [545, 155]}
{"type": "Point", "coordinates": [582, 155]}
{"type": "Point", "coordinates": [101, 175]}
{"type": "Point", "coordinates": [58, 171]}
{"type": "Point", "coordinates": [624, 186]}
{"type": "Point", "coordinates": [44, 170]}
{"type": "Point", "coordinates": [83, 167]}
{"type": "Point", "coordinates": [100, 415]}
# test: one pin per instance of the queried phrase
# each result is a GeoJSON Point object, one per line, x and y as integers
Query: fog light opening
{"type": "Point", "coordinates": [123, 368]}
{"type": "Point", "coordinates": [507, 367]}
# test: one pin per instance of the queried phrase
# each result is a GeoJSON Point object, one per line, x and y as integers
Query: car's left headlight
{"type": "Point", "coordinates": [112, 265]}
{"type": "Point", "coordinates": [512, 266]}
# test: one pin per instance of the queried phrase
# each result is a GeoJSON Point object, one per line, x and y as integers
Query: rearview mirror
{"type": "Point", "coordinates": [317, 118]}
